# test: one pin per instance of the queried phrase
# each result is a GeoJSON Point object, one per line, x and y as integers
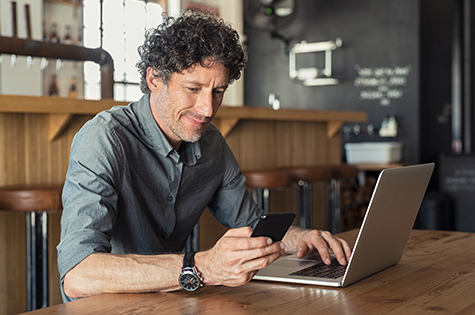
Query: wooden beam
{"type": "Point", "coordinates": [57, 123]}
{"type": "Point", "coordinates": [225, 125]}
{"type": "Point", "coordinates": [333, 127]}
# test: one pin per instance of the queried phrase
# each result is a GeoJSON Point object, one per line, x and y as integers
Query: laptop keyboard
{"type": "Point", "coordinates": [320, 270]}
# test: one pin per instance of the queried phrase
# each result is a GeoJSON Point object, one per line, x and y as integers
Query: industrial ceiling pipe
{"type": "Point", "coordinates": [33, 48]}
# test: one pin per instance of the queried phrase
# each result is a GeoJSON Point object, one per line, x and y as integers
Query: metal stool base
{"type": "Point", "coordinates": [333, 205]}
{"type": "Point", "coordinates": [37, 269]}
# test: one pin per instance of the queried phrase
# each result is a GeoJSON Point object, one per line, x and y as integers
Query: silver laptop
{"type": "Point", "coordinates": [381, 240]}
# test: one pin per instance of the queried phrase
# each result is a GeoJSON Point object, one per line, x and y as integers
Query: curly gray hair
{"type": "Point", "coordinates": [178, 44]}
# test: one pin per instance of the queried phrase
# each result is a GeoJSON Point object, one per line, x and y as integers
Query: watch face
{"type": "Point", "coordinates": [189, 281]}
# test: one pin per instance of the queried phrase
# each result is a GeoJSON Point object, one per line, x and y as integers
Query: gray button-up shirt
{"type": "Point", "coordinates": [128, 191]}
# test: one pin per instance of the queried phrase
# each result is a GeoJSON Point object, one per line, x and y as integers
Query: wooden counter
{"type": "Point", "coordinates": [36, 135]}
{"type": "Point", "coordinates": [434, 276]}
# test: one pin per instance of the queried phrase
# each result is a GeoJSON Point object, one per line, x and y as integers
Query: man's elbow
{"type": "Point", "coordinates": [72, 286]}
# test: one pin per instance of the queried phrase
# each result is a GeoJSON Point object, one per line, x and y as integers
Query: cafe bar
{"type": "Point", "coordinates": [143, 141]}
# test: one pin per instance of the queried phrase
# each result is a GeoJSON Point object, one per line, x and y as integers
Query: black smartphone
{"type": "Point", "coordinates": [273, 225]}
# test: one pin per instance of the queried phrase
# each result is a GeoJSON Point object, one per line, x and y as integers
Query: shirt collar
{"type": "Point", "coordinates": [155, 138]}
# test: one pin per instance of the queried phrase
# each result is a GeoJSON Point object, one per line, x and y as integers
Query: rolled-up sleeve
{"type": "Point", "coordinates": [89, 198]}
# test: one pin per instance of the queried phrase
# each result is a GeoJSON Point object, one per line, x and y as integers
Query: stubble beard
{"type": "Point", "coordinates": [165, 111]}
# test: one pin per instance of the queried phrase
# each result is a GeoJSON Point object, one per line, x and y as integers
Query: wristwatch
{"type": "Point", "coordinates": [190, 278]}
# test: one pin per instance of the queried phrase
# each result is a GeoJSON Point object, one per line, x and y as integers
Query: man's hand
{"type": "Point", "coordinates": [306, 241]}
{"type": "Point", "coordinates": [237, 257]}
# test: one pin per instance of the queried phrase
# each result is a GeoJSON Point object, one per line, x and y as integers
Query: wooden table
{"type": "Point", "coordinates": [435, 276]}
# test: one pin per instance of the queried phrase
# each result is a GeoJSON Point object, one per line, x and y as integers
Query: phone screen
{"type": "Point", "coordinates": [273, 225]}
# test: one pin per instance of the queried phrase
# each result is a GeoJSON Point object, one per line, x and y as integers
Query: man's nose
{"type": "Point", "coordinates": [204, 105]}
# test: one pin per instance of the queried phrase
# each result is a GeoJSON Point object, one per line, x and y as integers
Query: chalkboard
{"type": "Point", "coordinates": [457, 179]}
{"type": "Point", "coordinates": [377, 65]}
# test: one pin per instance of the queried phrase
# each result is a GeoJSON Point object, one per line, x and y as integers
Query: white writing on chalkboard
{"type": "Point", "coordinates": [382, 83]}
{"type": "Point", "coordinates": [462, 179]}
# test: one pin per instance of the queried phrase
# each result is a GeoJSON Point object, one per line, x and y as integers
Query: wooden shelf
{"type": "Point", "coordinates": [67, 2]}
{"type": "Point", "coordinates": [53, 105]}
{"type": "Point", "coordinates": [62, 109]}
{"type": "Point", "coordinates": [228, 116]}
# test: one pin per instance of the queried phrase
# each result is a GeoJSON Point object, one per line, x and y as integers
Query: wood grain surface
{"type": "Point", "coordinates": [435, 276]}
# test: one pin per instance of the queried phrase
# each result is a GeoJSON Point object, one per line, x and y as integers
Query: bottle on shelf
{"type": "Point", "coordinates": [45, 33]}
{"type": "Point", "coordinates": [73, 90]}
{"type": "Point", "coordinates": [53, 37]}
{"type": "Point", "coordinates": [53, 87]}
{"type": "Point", "coordinates": [67, 36]}
{"type": "Point", "coordinates": [79, 37]}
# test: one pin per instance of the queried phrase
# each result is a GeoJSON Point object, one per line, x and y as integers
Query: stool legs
{"type": "Point", "coordinates": [261, 196]}
{"type": "Point", "coordinates": [333, 207]}
{"type": "Point", "coordinates": [305, 204]}
{"type": "Point", "coordinates": [37, 260]}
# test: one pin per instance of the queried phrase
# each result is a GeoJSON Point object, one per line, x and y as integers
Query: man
{"type": "Point", "coordinates": [141, 175]}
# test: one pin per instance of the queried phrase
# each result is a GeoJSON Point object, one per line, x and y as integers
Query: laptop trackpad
{"type": "Point", "coordinates": [294, 261]}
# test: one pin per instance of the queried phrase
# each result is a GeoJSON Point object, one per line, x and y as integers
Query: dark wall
{"type": "Point", "coordinates": [381, 37]}
{"type": "Point", "coordinates": [437, 20]}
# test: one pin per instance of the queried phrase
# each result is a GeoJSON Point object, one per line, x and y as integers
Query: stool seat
{"type": "Point", "coordinates": [266, 179]}
{"type": "Point", "coordinates": [29, 198]}
{"type": "Point", "coordinates": [35, 201]}
{"type": "Point", "coordinates": [344, 171]}
{"type": "Point", "coordinates": [261, 181]}
{"type": "Point", "coordinates": [310, 173]}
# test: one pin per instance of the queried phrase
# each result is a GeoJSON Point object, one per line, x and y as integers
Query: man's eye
{"type": "Point", "coordinates": [219, 92]}
{"type": "Point", "coordinates": [193, 89]}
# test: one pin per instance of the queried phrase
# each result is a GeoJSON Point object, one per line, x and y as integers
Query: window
{"type": "Point", "coordinates": [123, 27]}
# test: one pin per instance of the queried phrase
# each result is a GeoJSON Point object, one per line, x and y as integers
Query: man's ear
{"type": "Point", "coordinates": [154, 83]}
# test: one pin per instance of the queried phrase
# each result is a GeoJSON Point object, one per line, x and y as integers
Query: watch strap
{"type": "Point", "coordinates": [189, 260]}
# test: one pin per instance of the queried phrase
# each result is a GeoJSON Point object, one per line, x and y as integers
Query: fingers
{"type": "Point", "coordinates": [303, 248]}
{"type": "Point", "coordinates": [236, 257]}
{"type": "Point", "coordinates": [242, 251]}
{"type": "Point", "coordinates": [263, 257]}
{"type": "Point", "coordinates": [325, 243]}
{"type": "Point", "coordinates": [245, 231]}
{"type": "Point", "coordinates": [338, 246]}
{"type": "Point", "coordinates": [239, 239]}
{"type": "Point", "coordinates": [239, 267]}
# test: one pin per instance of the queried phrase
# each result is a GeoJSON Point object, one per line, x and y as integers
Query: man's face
{"type": "Point", "coordinates": [185, 107]}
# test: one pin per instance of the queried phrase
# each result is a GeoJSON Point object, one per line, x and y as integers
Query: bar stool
{"type": "Point", "coordinates": [36, 201]}
{"type": "Point", "coordinates": [305, 176]}
{"type": "Point", "coordinates": [260, 182]}
{"type": "Point", "coordinates": [339, 172]}
{"type": "Point", "coordinates": [331, 175]}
